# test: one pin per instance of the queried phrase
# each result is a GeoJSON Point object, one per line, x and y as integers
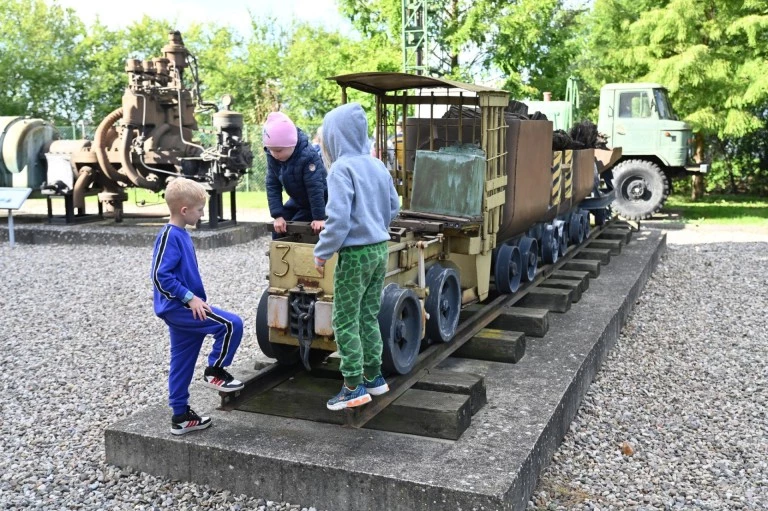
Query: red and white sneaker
{"type": "Point", "coordinates": [217, 378]}
{"type": "Point", "coordinates": [188, 421]}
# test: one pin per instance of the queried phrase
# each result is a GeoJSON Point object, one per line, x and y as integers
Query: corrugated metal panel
{"type": "Point", "coordinates": [380, 83]}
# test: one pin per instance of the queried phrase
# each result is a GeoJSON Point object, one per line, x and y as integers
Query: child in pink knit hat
{"type": "Point", "coordinates": [295, 166]}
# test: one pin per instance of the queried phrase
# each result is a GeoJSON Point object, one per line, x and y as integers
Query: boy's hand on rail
{"type": "Point", "coordinates": [280, 225]}
{"type": "Point", "coordinates": [317, 226]}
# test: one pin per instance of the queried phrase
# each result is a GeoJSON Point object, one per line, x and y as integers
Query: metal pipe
{"type": "Point", "coordinates": [101, 151]}
{"type": "Point", "coordinates": [84, 180]}
{"type": "Point", "coordinates": [181, 126]}
{"type": "Point", "coordinates": [421, 245]}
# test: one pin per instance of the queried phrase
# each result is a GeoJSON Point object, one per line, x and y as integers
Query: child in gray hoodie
{"type": "Point", "coordinates": [362, 201]}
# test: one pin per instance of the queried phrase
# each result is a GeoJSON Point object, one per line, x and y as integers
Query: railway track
{"type": "Point", "coordinates": [262, 394]}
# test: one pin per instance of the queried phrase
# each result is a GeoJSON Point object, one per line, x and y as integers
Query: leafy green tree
{"type": "Point", "coordinates": [308, 95]}
{"type": "Point", "coordinates": [535, 44]}
{"type": "Point", "coordinates": [102, 78]}
{"type": "Point", "coordinates": [39, 60]}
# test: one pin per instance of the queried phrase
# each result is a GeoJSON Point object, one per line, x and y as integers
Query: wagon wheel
{"type": "Point", "coordinates": [585, 223]}
{"type": "Point", "coordinates": [575, 229]}
{"type": "Point", "coordinates": [400, 325]}
{"type": "Point", "coordinates": [443, 304]}
{"type": "Point", "coordinates": [550, 245]}
{"type": "Point", "coordinates": [601, 215]}
{"type": "Point", "coordinates": [508, 269]}
{"type": "Point", "coordinates": [562, 238]}
{"type": "Point", "coordinates": [284, 353]}
{"type": "Point", "coordinates": [529, 254]}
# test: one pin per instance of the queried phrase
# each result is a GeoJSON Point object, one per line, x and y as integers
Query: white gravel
{"type": "Point", "coordinates": [686, 386]}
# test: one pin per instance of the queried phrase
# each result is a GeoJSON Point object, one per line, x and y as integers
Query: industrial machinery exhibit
{"type": "Point", "coordinates": [145, 143]}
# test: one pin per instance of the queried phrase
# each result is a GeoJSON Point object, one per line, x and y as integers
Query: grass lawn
{"type": "Point", "coordinates": [245, 200]}
{"type": "Point", "coordinates": [720, 209]}
{"type": "Point", "coordinates": [141, 196]}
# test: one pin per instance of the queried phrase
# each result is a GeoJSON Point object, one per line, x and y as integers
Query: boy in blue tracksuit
{"type": "Point", "coordinates": [362, 202]}
{"type": "Point", "coordinates": [180, 300]}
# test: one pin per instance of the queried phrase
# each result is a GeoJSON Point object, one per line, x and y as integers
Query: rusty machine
{"type": "Point", "coordinates": [145, 143]}
{"type": "Point", "coordinates": [484, 200]}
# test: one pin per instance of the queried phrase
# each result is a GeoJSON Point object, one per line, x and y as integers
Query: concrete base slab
{"type": "Point", "coordinates": [131, 232]}
{"type": "Point", "coordinates": [493, 466]}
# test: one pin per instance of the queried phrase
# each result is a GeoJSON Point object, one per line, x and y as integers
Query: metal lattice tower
{"type": "Point", "coordinates": [415, 38]}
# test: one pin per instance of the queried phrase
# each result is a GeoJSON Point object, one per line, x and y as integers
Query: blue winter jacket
{"type": "Point", "coordinates": [362, 199]}
{"type": "Point", "coordinates": [302, 176]}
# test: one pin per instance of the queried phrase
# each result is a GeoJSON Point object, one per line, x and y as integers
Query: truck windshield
{"type": "Point", "coordinates": [663, 106]}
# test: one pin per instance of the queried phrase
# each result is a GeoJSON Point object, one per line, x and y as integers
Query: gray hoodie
{"type": "Point", "coordinates": [362, 200]}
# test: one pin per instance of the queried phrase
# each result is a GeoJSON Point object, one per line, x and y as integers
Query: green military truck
{"type": "Point", "coordinates": [655, 145]}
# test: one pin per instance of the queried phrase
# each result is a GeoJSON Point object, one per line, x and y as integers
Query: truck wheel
{"type": "Point", "coordinates": [641, 189]}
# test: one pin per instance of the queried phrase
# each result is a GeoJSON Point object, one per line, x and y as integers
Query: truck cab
{"type": "Point", "coordinates": [656, 146]}
{"type": "Point", "coordinates": [638, 117]}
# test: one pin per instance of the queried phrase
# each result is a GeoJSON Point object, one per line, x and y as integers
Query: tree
{"type": "Point", "coordinates": [40, 60]}
{"type": "Point", "coordinates": [535, 44]}
{"type": "Point", "coordinates": [320, 54]}
{"type": "Point", "coordinates": [102, 79]}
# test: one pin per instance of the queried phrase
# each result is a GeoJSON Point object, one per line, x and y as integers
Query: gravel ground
{"type": "Point", "coordinates": [685, 388]}
{"type": "Point", "coordinates": [677, 418]}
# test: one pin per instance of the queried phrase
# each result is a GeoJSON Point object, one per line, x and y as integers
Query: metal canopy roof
{"type": "Point", "coordinates": [381, 83]}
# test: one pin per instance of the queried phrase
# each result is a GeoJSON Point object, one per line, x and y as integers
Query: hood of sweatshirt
{"type": "Point", "coordinates": [345, 132]}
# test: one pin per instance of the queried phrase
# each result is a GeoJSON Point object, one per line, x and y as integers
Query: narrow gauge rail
{"type": "Point", "coordinates": [269, 377]}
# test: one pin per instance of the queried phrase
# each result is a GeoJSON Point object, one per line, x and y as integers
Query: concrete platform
{"type": "Point", "coordinates": [133, 231]}
{"type": "Point", "coordinates": [493, 466]}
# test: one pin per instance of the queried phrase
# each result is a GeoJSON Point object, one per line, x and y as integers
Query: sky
{"type": "Point", "coordinates": [234, 13]}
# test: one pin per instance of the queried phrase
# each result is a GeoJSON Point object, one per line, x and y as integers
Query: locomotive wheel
{"type": "Point", "coordinates": [550, 245]}
{"type": "Point", "coordinates": [529, 254]}
{"type": "Point", "coordinates": [400, 324]}
{"type": "Point", "coordinates": [443, 304]}
{"type": "Point", "coordinates": [508, 269]}
{"type": "Point", "coordinates": [284, 353]}
{"type": "Point", "coordinates": [641, 189]}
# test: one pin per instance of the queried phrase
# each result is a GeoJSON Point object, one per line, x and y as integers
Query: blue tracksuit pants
{"type": "Point", "coordinates": [187, 335]}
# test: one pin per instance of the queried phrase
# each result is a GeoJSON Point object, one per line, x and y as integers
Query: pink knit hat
{"type": "Point", "coordinates": [279, 131]}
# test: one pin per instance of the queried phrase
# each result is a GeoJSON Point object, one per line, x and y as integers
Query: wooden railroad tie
{"type": "Point", "coordinates": [573, 285]}
{"type": "Point", "coordinates": [582, 277]}
{"type": "Point", "coordinates": [440, 405]}
{"type": "Point", "coordinates": [614, 246]}
{"type": "Point", "coordinates": [597, 254]}
{"type": "Point", "coordinates": [616, 233]}
{"type": "Point", "coordinates": [588, 265]}
{"type": "Point", "coordinates": [494, 345]}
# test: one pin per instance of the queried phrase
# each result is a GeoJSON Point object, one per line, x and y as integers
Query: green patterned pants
{"type": "Point", "coordinates": [357, 284]}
